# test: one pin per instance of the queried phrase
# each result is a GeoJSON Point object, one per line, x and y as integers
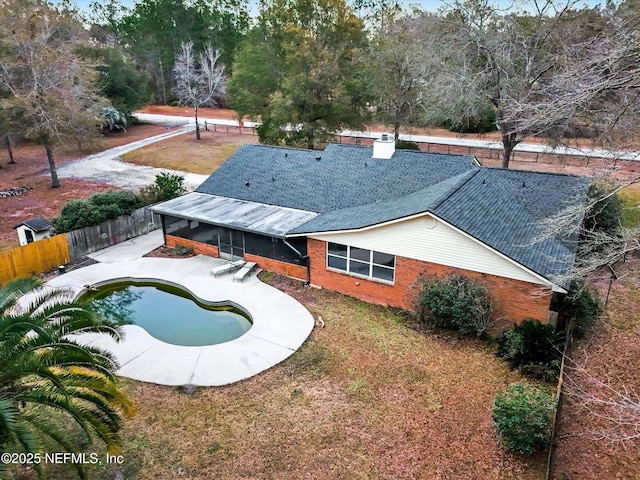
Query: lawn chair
{"type": "Point", "coordinates": [244, 271]}
{"type": "Point", "coordinates": [227, 267]}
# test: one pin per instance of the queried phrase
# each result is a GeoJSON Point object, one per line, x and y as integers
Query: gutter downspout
{"type": "Point", "coordinates": [302, 257]}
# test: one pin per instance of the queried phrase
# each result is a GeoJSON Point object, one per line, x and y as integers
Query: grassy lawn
{"type": "Point", "coordinates": [630, 197]}
{"type": "Point", "coordinates": [369, 396]}
{"type": "Point", "coordinates": [187, 154]}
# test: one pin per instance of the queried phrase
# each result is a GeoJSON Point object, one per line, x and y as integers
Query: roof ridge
{"type": "Point", "coordinates": [520, 170]}
{"type": "Point", "coordinates": [451, 193]}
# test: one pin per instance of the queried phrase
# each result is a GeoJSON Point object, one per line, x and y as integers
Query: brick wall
{"type": "Point", "coordinates": [515, 299]}
{"type": "Point", "coordinates": [283, 268]}
{"type": "Point", "coordinates": [200, 248]}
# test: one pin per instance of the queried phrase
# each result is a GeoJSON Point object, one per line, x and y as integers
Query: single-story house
{"type": "Point", "coordinates": [370, 222]}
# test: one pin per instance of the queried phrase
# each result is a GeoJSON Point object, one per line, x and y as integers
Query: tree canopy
{"type": "Point", "coordinates": [301, 71]}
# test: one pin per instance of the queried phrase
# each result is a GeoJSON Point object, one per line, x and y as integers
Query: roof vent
{"type": "Point", "coordinates": [246, 184]}
{"type": "Point", "coordinates": [384, 147]}
{"type": "Point", "coordinates": [318, 158]}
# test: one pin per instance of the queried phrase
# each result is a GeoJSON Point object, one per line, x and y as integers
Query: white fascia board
{"type": "Point", "coordinates": [546, 281]}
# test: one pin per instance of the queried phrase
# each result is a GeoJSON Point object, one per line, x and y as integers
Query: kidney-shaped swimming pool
{"type": "Point", "coordinates": [169, 313]}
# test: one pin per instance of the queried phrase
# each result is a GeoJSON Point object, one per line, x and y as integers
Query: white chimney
{"type": "Point", "coordinates": [384, 147]}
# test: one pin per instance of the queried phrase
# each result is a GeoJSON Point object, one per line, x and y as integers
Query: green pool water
{"type": "Point", "coordinates": [169, 313]}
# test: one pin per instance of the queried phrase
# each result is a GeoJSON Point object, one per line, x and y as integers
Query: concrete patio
{"type": "Point", "coordinates": [280, 323]}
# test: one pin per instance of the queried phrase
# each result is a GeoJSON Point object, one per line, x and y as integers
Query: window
{"type": "Point", "coordinates": [360, 261]}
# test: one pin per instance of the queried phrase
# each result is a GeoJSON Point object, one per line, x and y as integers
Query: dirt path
{"type": "Point", "coordinates": [107, 167]}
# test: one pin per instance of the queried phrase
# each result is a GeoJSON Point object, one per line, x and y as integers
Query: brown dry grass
{"type": "Point", "coordinates": [370, 396]}
{"type": "Point", "coordinates": [610, 354]}
{"type": "Point", "coordinates": [187, 154]}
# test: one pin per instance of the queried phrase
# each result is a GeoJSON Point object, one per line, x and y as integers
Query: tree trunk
{"type": "Point", "coordinates": [55, 183]}
{"type": "Point", "coordinates": [396, 131]}
{"type": "Point", "coordinates": [197, 124]}
{"type": "Point", "coordinates": [10, 149]}
{"type": "Point", "coordinates": [509, 141]}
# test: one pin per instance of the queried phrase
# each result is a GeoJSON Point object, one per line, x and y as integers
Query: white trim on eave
{"type": "Point", "coordinates": [554, 287]}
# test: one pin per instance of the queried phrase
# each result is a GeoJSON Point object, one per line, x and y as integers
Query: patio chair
{"type": "Point", "coordinates": [227, 267]}
{"type": "Point", "coordinates": [244, 271]}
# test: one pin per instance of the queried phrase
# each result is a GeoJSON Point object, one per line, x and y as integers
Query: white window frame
{"type": "Point", "coordinates": [370, 263]}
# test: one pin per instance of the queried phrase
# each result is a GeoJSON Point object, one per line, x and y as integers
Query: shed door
{"type": "Point", "coordinates": [231, 244]}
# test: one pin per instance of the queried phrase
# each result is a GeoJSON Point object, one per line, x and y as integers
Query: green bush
{"type": "Point", "coordinates": [523, 414]}
{"type": "Point", "coordinates": [97, 209]}
{"type": "Point", "coordinates": [580, 306]}
{"type": "Point", "coordinates": [533, 348]}
{"type": "Point", "coordinates": [182, 250]}
{"type": "Point", "coordinates": [605, 215]}
{"type": "Point", "coordinates": [457, 302]}
{"type": "Point", "coordinates": [406, 145]}
{"type": "Point", "coordinates": [166, 187]}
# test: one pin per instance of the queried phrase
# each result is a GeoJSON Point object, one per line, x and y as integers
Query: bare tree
{"type": "Point", "coordinates": [50, 90]}
{"type": "Point", "coordinates": [618, 407]}
{"type": "Point", "coordinates": [199, 82]}
{"type": "Point", "coordinates": [535, 71]}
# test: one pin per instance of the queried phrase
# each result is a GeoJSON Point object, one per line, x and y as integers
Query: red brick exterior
{"type": "Point", "coordinates": [200, 248]}
{"type": "Point", "coordinates": [283, 268]}
{"type": "Point", "coordinates": [515, 299]}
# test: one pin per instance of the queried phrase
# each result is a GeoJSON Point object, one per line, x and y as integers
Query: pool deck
{"type": "Point", "coordinates": [280, 323]}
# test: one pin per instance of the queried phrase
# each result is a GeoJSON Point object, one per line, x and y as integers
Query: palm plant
{"type": "Point", "coordinates": [43, 369]}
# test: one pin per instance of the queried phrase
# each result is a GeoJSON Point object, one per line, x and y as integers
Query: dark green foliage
{"type": "Point", "coordinates": [113, 120]}
{"type": "Point", "coordinates": [580, 306]}
{"type": "Point", "coordinates": [97, 209]}
{"type": "Point", "coordinates": [523, 415]}
{"type": "Point", "coordinates": [406, 145]}
{"type": "Point", "coordinates": [458, 303]}
{"type": "Point", "coordinates": [533, 348]}
{"type": "Point", "coordinates": [483, 121]}
{"type": "Point", "coordinates": [182, 250]}
{"type": "Point", "coordinates": [119, 79]}
{"type": "Point", "coordinates": [605, 215]}
{"type": "Point", "coordinates": [47, 378]}
{"type": "Point", "coordinates": [166, 187]}
{"type": "Point", "coordinates": [301, 66]}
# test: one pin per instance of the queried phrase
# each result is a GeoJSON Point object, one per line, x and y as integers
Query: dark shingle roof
{"type": "Point", "coordinates": [351, 190]}
{"type": "Point", "coordinates": [345, 176]}
{"type": "Point", "coordinates": [505, 209]}
{"type": "Point", "coordinates": [37, 224]}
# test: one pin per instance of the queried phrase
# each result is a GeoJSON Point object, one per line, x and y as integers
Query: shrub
{"type": "Point", "coordinates": [605, 215]}
{"type": "Point", "coordinates": [533, 348]}
{"type": "Point", "coordinates": [580, 306]}
{"type": "Point", "coordinates": [458, 302]}
{"type": "Point", "coordinates": [406, 145]}
{"type": "Point", "coordinates": [113, 119]}
{"type": "Point", "coordinates": [523, 414]}
{"type": "Point", "coordinates": [182, 250]}
{"type": "Point", "coordinates": [166, 187]}
{"type": "Point", "coordinates": [97, 209]}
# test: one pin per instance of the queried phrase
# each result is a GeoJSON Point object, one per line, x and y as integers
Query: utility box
{"type": "Point", "coordinates": [32, 230]}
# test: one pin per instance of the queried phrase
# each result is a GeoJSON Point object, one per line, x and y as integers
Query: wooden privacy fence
{"type": "Point", "coordinates": [34, 258]}
{"type": "Point", "coordinates": [91, 239]}
{"type": "Point", "coordinates": [43, 255]}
